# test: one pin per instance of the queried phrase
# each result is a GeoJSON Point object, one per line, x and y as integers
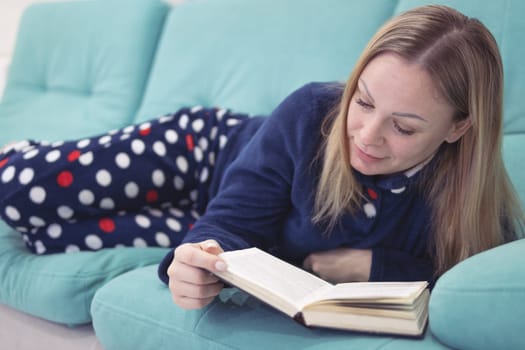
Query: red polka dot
{"type": "Point", "coordinates": [3, 162]}
{"type": "Point", "coordinates": [190, 226]}
{"type": "Point", "coordinates": [145, 131]}
{"type": "Point", "coordinates": [65, 179]}
{"type": "Point", "coordinates": [152, 196]}
{"type": "Point", "coordinates": [73, 155]}
{"type": "Point", "coordinates": [372, 193]}
{"type": "Point", "coordinates": [106, 225]}
{"type": "Point", "coordinates": [189, 142]}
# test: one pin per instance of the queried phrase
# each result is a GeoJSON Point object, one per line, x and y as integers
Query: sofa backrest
{"type": "Point", "coordinates": [248, 55]}
{"type": "Point", "coordinates": [79, 68]}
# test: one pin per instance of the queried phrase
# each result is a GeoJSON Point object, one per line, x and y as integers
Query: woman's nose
{"type": "Point", "coordinates": [371, 133]}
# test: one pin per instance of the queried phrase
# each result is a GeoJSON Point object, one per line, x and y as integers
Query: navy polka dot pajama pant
{"type": "Point", "coordinates": [142, 185]}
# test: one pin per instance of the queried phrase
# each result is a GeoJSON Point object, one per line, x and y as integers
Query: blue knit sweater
{"type": "Point", "coordinates": [263, 195]}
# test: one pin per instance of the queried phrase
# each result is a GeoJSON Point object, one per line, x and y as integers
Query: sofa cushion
{"type": "Point", "coordinates": [479, 304]}
{"type": "Point", "coordinates": [60, 287]}
{"type": "Point", "coordinates": [79, 68]}
{"type": "Point", "coordinates": [248, 55]}
{"type": "Point", "coordinates": [136, 304]}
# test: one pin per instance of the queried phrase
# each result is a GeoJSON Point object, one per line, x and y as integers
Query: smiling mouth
{"type": "Point", "coordinates": [365, 156]}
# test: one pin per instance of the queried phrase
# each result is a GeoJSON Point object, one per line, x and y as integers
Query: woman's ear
{"type": "Point", "coordinates": [458, 129]}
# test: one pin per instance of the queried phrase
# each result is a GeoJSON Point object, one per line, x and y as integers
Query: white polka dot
{"type": "Point", "coordinates": [21, 229]}
{"type": "Point", "coordinates": [71, 248]}
{"type": "Point", "coordinates": [159, 148]}
{"type": "Point", "coordinates": [31, 154]}
{"type": "Point", "coordinates": [93, 242]}
{"type": "Point", "coordinates": [155, 212]}
{"type": "Point", "coordinates": [182, 164]}
{"type": "Point", "coordinates": [123, 161]}
{"type": "Point", "coordinates": [86, 159]}
{"type": "Point", "coordinates": [213, 133]}
{"type": "Point", "coordinates": [139, 243]}
{"type": "Point", "coordinates": [173, 224]}
{"type": "Point", "coordinates": [162, 239]}
{"type": "Point", "coordinates": [83, 143]}
{"type": "Point", "coordinates": [54, 231]}
{"type": "Point", "coordinates": [53, 156]}
{"type": "Point", "coordinates": [193, 195]}
{"type": "Point", "coordinates": [40, 248]}
{"type": "Point", "coordinates": [107, 203]}
{"type": "Point", "coordinates": [195, 214]}
{"type": "Point", "coordinates": [145, 126]}
{"type": "Point", "coordinates": [177, 212]}
{"type": "Point", "coordinates": [222, 141]}
{"type": "Point", "coordinates": [221, 113]}
{"type": "Point", "coordinates": [57, 143]}
{"type": "Point", "coordinates": [103, 178]}
{"type": "Point", "coordinates": [197, 125]}
{"type": "Point", "coordinates": [197, 152]}
{"type": "Point", "coordinates": [195, 109]}
{"type": "Point", "coordinates": [158, 178]}
{"type": "Point", "coordinates": [166, 118]}
{"type": "Point", "coordinates": [183, 121]}
{"type": "Point", "coordinates": [131, 190]}
{"type": "Point", "coordinates": [203, 143]}
{"type": "Point", "coordinates": [204, 175]}
{"type": "Point", "coordinates": [8, 174]}
{"type": "Point", "coordinates": [26, 176]}
{"type": "Point", "coordinates": [86, 197]}
{"type": "Point", "coordinates": [178, 182]}
{"type": "Point", "coordinates": [124, 137]}
{"type": "Point", "coordinates": [37, 194]}
{"type": "Point", "coordinates": [211, 158]}
{"type": "Point", "coordinates": [171, 136]}
{"type": "Point", "coordinates": [142, 221]}
{"type": "Point", "coordinates": [65, 212]}
{"type": "Point", "coordinates": [128, 129]}
{"type": "Point", "coordinates": [398, 190]}
{"type": "Point", "coordinates": [36, 221]}
{"type": "Point", "coordinates": [12, 213]}
{"type": "Point", "coordinates": [104, 140]}
{"type": "Point", "coordinates": [138, 147]}
{"type": "Point", "coordinates": [232, 122]}
{"type": "Point", "coordinates": [370, 210]}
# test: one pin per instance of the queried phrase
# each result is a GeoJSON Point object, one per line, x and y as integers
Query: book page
{"type": "Point", "coordinates": [377, 292]}
{"type": "Point", "coordinates": [281, 278]}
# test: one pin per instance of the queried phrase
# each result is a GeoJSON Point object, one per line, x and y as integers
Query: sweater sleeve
{"type": "Point", "coordinates": [395, 265]}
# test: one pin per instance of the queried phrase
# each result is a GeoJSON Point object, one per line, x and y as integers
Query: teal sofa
{"type": "Point", "coordinates": [85, 67]}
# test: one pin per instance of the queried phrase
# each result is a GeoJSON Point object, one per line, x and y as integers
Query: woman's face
{"type": "Point", "coordinates": [396, 118]}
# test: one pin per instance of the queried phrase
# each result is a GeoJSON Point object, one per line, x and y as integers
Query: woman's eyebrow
{"type": "Point", "coordinates": [397, 114]}
{"type": "Point", "coordinates": [366, 90]}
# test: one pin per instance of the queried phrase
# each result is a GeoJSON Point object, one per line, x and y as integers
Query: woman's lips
{"type": "Point", "coordinates": [365, 156]}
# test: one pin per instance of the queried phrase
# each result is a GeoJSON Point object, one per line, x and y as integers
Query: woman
{"type": "Point", "coordinates": [396, 175]}
{"type": "Point", "coordinates": [424, 101]}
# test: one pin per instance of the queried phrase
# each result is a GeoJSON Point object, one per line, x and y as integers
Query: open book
{"type": "Point", "coordinates": [378, 307]}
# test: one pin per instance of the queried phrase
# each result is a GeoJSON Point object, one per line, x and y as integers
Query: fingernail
{"type": "Point", "coordinates": [220, 266]}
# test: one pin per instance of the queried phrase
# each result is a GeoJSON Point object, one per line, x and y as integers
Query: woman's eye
{"type": "Point", "coordinates": [364, 104]}
{"type": "Point", "coordinates": [402, 130]}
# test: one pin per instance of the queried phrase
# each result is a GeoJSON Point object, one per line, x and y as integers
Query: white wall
{"type": "Point", "coordinates": [10, 13]}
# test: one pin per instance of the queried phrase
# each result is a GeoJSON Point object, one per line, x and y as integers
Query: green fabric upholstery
{"type": "Point", "coordinates": [480, 303]}
{"type": "Point", "coordinates": [60, 287]}
{"type": "Point", "coordinates": [79, 68]}
{"type": "Point", "coordinates": [231, 53]}
{"type": "Point", "coordinates": [144, 317]}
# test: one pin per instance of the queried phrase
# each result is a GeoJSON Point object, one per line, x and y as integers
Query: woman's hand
{"type": "Point", "coordinates": [341, 265]}
{"type": "Point", "coordinates": [191, 281]}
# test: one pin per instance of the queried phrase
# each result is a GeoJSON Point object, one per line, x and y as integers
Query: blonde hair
{"type": "Point", "coordinates": [474, 206]}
